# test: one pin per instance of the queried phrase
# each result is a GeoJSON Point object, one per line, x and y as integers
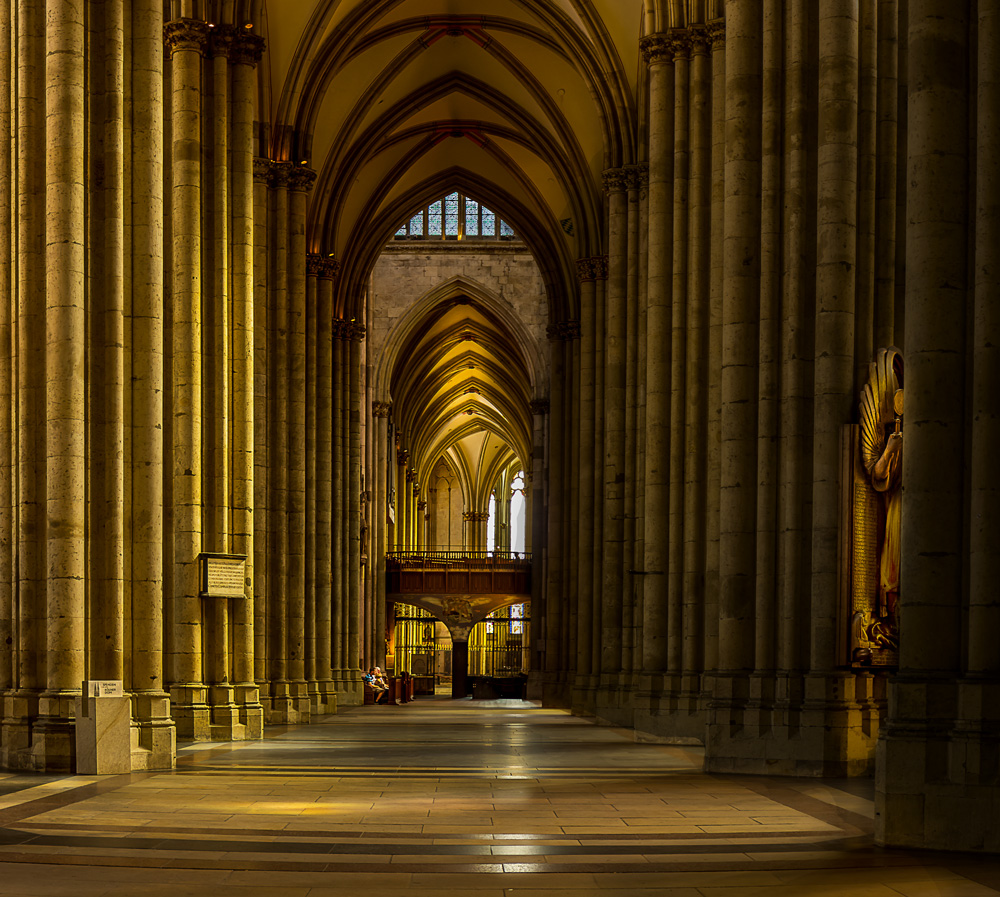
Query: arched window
{"type": "Point", "coordinates": [518, 507]}
{"type": "Point", "coordinates": [456, 217]}
{"type": "Point", "coordinates": [491, 530]}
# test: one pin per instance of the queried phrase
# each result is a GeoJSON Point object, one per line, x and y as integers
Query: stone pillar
{"type": "Point", "coordinates": [65, 432]}
{"type": "Point", "coordinates": [696, 370]}
{"type": "Point", "coordinates": [377, 525]}
{"type": "Point", "coordinates": [151, 703]}
{"type": "Point", "coordinates": [834, 385]}
{"type": "Point", "coordinates": [588, 270]}
{"type": "Point", "coordinates": [984, 540]}
{"type": "Point", "coordinates": [657, 50]}
{"type": "Point", "coordinates": [553, 609]}
{"type": "Point", "coordinates": [741, 291]}
{"type": "Point", "coordinates": [326, 697]}
{"type": "Point", "coordinates": [887, 171]}
{"type": "Point", "coordinates": [539, 539]}
{"type": "Point", "coordinates": [338, 518]}
{"type": "Point", "coordinates": [313, 260]}
{"type": "Point", "coordinates": [262, 428]}
{"type": "Point", "coordinates": [354, 585]}
{"type": "Point", "coordinates": [245, 53]}
{"type": "Point", "coordinates": [613, 460]}
{"type": "Point", "coordinates": [796, 363]}
{"type": "Point", "coordinates": [7, 329]}
{"type": "Point", "coordinates": [186, 40]}
{"type": "Point", "coordinates": [936, 772]}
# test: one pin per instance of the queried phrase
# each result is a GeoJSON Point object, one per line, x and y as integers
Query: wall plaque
{"type": "Point", "coordinates": [223, 575]}
{"type": "Point", "coordinates": [103, 688]}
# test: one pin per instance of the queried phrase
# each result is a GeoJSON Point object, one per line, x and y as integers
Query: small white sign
{"type": "Point", "coordinates": [103, 688]}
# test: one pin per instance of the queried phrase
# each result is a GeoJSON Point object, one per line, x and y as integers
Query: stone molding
{"type": "Point", "coordinates": [246, 48]}
{"type": "Point", "coordinates": [564, 330]}
{"type": "Point", "coordinates": [261, 170]}
{"type": "Point", "coordinates": [717, 32]}
{"type": "Point", "coordinates": [381, 409]}
{"type": "Point", "coordinates": [186, 34]}
{"type": "Point", "coordinates": [637, 176]}
{"type": "Point", "coordinates": [539, 406]}
{"type": "Point", "coordinates": [318, 265]}
{"type": "Point", "coordinates": [301, 179]}
{"type": "Point", "coordinates": [615, 180]}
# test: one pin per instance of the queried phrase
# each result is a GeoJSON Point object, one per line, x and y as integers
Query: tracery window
{"type": "Point", "coordinates": [456, 217]}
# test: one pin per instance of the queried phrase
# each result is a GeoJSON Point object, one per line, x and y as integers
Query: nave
{"type": "Point", "coordinates": [483, 798]}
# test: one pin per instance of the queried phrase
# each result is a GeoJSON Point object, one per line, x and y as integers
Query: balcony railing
{"type": "Point", "coordinates": [458, 573]}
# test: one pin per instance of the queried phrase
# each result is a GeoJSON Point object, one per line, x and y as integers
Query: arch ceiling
{"type": "Point", "coordinates": [520, 104]}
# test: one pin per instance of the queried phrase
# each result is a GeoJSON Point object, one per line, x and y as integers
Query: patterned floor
{"type": "Point", "coordinates": [493, 799]}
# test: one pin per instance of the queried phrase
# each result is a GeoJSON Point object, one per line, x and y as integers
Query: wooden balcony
{"type": "Point", "coordinates": [458, 573]}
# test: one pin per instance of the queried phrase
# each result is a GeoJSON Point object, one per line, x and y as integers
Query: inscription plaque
{"type": "Point", "coordinates": [223, 575]}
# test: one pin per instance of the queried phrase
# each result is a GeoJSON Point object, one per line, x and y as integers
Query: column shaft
{"type": "Point", "coordinates": [324, 481]}
{"type": "Point", "coordinates": [7, 395]}
{"type": "Point", "coordinates": [887, 161]}
{"type": "Point", "coordinates": [585, 483]}
{"type": "Point", "coordinates": [354, 584]}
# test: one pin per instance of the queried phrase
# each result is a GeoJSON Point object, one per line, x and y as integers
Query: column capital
{"type": "Point", "coordinates": [615, 180]}
{"type": "Point", "coordinates": [357, 331]}
{"type": "Point", "coordinates": [594, 268]}
{"type": "Point", "coordinates": [411, 475]}
{"type": "Point", "coordinates": [564, 330]}
{"type": "Point", "coordinates": [301, 179]}
{"type": "Point", "coordinates": [246, 48]}
{"type": "Point", "coordinates": [186, 34]}
{"type": "Point", "coordinates": [637, 175]}
{"type": "Point", "coordinates": [422, 505]}
{"type": "Point", "coordinates": [539, 406]}
{"type": "Point", "coordinates": [318, 265]}
{"type": "Point", "coordinates": [701, 40]}
{"type": "Point", "coordinates": [402, 457]}
{"type": "Point", "coordinates": [381, 409]}
{"type": "Point", "coordinates": [717, 32]}
{"type": "Point", "coordinates": [657, 49]}
{"type": "Point", "coordinates": [262, 170]}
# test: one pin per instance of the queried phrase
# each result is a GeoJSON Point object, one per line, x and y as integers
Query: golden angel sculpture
{"type": "Point", "coordinates": [881, 449]}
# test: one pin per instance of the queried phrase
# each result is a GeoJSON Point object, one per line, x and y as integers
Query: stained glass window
{"type": "Point", "coordinates": [451, 215]}
{"type": "Point", "coordinates": [457, 217]}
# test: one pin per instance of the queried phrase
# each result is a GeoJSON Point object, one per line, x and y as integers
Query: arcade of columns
{"type": "Point", "coordinates": [179, 376]}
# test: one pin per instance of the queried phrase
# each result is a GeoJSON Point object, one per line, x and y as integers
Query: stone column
{"type": "Point", "coordinates": [65, 369]}
{"type": "Point", "coordinates": [678, 346]}
{"type": "Point", "coordinates": [299, 183]}
{"type": "Point", "coordinates": [588, 270]}
{"type": "Point", "coordinates": [887, 162]}
{"type": "Point", "coordinates": [262, 428]}
{"type": "Point", "coordinates": [934, 785]}
{"type": "Point", "coordinates": [834, 385]}
{"type": "Point", "coordinates": [313, 261]}
{"type": "Point", "coordinates": [7, 396]}
{"type": "Point", "coordinates": [796, 360]}
{"type": "Point", "coordinates": [354, 584]}
{"type": "Point", "coordinates": [867, 136]}
{"type": "Point", "coordinates": [245, 53]}
{"type": "Point", "coordinates": [741, 293]}
{"type": "Point", "coordinates": [380, 501]}
{"type": "Point", "coordinates": [552, 617]}
{"type": "Point", "coordinates": [696, 363]}
{"type": "Point", "coordinates": [326, 485]}
{"type": "Point", "coordinates": [277, 450]}
{"type": "Point", "coordinates": [539, 541]}
{"type": "Point", "coordinates": [658, 53]}
{"type": "Point", "coordinates": [984, 540]}
{"type": "Point", "coordinates": [186, 40]}
{"type": "Point", "coordinates": [151, 702]}
{"type": "Point", "coordinates": [338, 516]}
{"type": "Point", "coordinates": [613, 461]}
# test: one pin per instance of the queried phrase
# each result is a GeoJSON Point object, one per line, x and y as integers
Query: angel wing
{"type": "Point", "coordinates": [876, 410]}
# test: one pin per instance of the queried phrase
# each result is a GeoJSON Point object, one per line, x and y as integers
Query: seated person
{"type": "Point", "coordinates": [374, 678]}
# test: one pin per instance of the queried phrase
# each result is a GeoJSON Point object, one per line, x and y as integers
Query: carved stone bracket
{"type": "Point", "coordinates": [615, 180]}
{"type": "Point", "coordinates": [564, 330]}
{"type": "Point", "coordinates": [321, 266]}
{"type": "Point", "coordinates": [186, 34]}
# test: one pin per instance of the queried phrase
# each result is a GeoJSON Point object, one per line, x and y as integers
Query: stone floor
{"type": "Point", "coordinates": [492, 799]}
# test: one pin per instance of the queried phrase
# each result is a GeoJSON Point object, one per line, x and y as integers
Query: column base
{"type": "Point", "coordinates": [614, 700]}
{"type": "Point", "coordinates": [192, 715]}
{"type": "Point", "coordinates": [347, 687]}
{"type": "Point", "coordinates": [53, 736]}
{"type": "Point", "coordinates": [289, 704]}
{"type": "Point", "coordinates": [813, 725]}
{"type": "Point", "coordinates": [20, 711]}
{"type": "Point", "coordinates": [584, 694]}
{"type": "Point", "coordinates": [322, 697]}
{"type": "Point", "coordinates": [937, 782]}
{"type": "Point", "coordinates": [557, 690]}
{"type": "Point", "coordinates": [154, 735]}
{"type": "Point", "coordinates": [670, 708]}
